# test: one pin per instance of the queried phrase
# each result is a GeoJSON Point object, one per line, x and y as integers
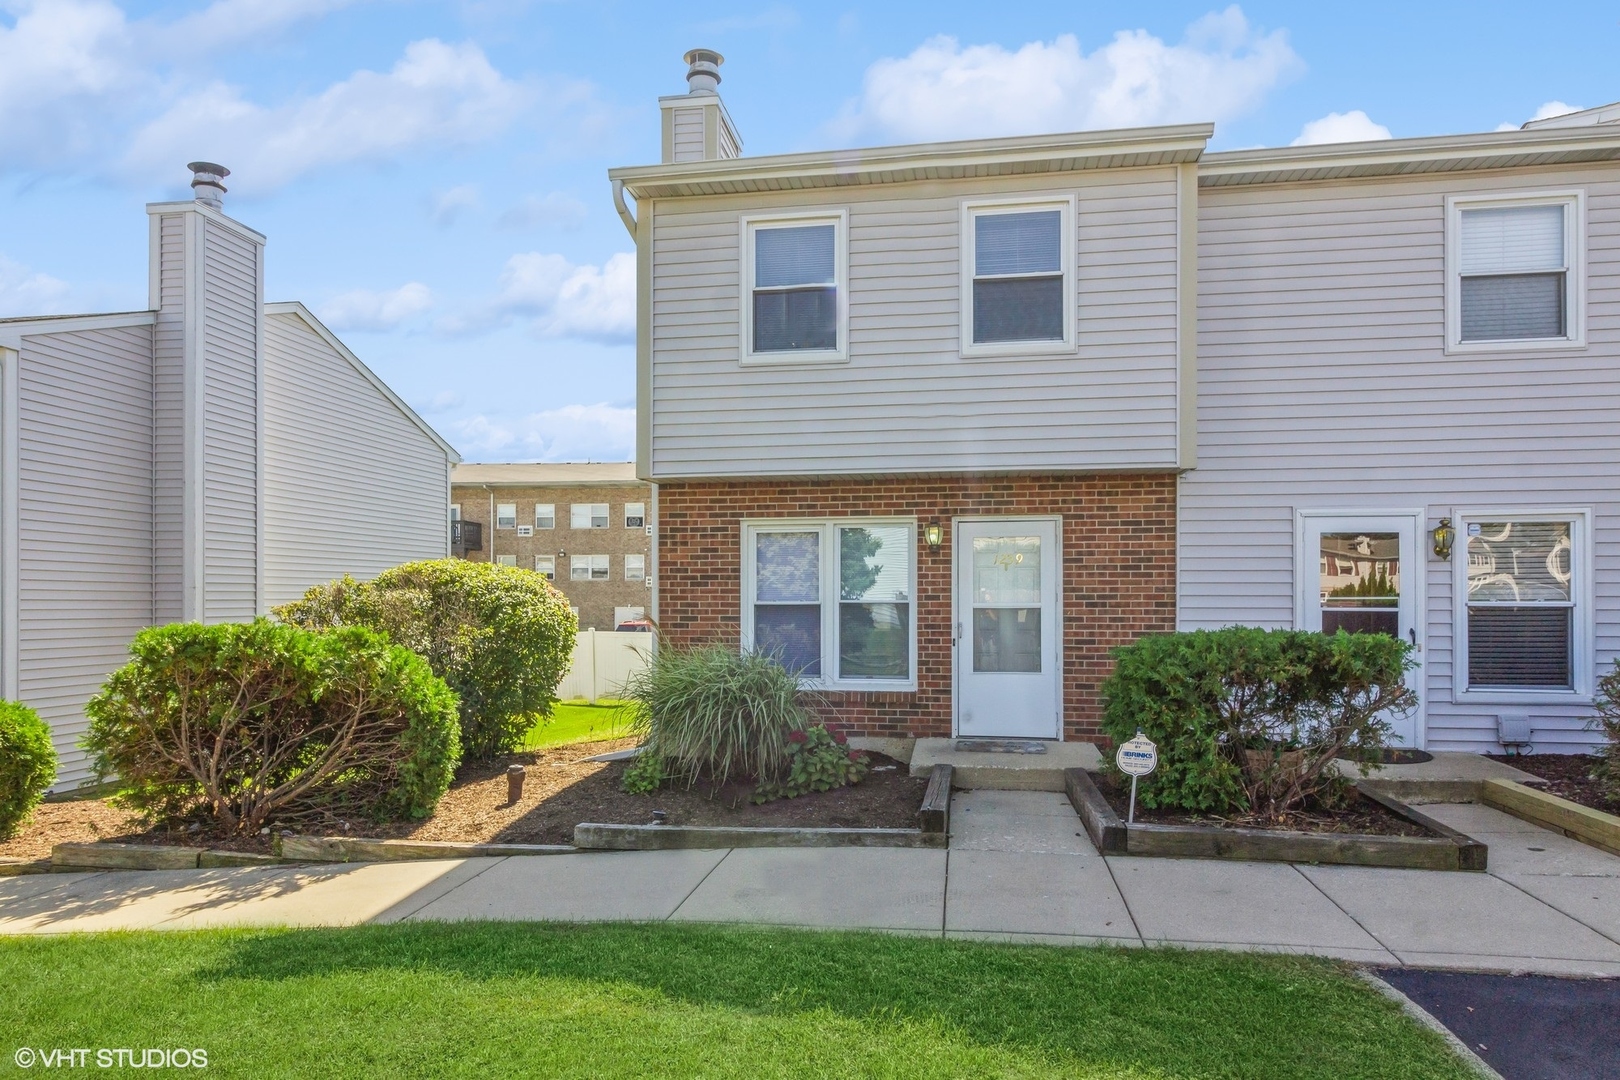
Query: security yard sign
{"type": "Point", "coordinates": [1137, 756]}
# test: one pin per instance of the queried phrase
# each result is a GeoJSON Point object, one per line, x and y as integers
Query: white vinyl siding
{"type": "Point", "coordinates": [1324, 383]}
{"type": "Point", "coordinates": [169, 422]}
{"type": "Point", "coordinates": [687, 134]}
{"type": "Point", "coordinates": [1515, 275]}
{"type": "Point", "coordinates": [545, 516]}
{"type": "Point", "coordinates": [907, 401]}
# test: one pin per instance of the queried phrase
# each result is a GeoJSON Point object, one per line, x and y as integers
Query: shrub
{"type": "Point", "coordinates": [818, 760]}
{"type": "Point", "coordinates": [259, 721]}
{"type": "Point", "coordinates": [1249, 718]}
{"type": "Point", "coordinates": [502, 637]}
{"type": "Point", "coordinates": [1608, 722]}
{"type": "Point", "coordinates": [27, 764]}
{"type": "Point", "coordinates": [714, 713]}
{"type": "Point", "coordinates": [644, 775]}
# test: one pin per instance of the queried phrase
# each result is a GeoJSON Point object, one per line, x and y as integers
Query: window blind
{"type": "Point", "coordinates": [1513, 239]}
{"type": "Point", "coordinates": [1519, 647]}
{"type": "Point", "coordinates": [1028, 243]}
{"type": "Point", "coordinates": [800, 255]}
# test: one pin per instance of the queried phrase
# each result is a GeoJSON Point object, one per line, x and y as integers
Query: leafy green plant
{"type": "Point", "coordinates": [27, 764]}
{"type": "Point", "coordinates": [644, 775]}
{"type": "Point", "coordinates": [818, 760]}
{"type": "Point", "coordinates": [262, 722]}
{"type": "Point", "coordinates": [716, 714]}
{"type": "Point", "coordinates": [1607, 721]}
{"type": "Point", "coordinates": [502, 637]}
{"type": "Point", "coordinates": [1249, 719]}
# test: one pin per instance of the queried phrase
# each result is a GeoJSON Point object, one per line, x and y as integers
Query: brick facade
{"type": "Point", "coordinates": [1119, 571]}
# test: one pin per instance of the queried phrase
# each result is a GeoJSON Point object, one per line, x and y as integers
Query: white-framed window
{"type": "Point", "coordinates": [588, 516]}
{"type": "Point", "coordinates": [1515, 271]}
{"type": "Point", "coordinates": [455, 511]}
{"type": "Point", "coordinates": [635, 515]}
{"type": "Point", "coordinates": [506, 560]}
{"type": "Point", "coordinates": [506, 515]}
{"type": "Point", "coordinates": [588, 567]}
{"type": "Point", "coordinates": [795, 288]}
{"type": "Point", "coordinates": [1522, 582]}
{"type": "Point", "coordinates": [1018, 290]}
{"type": "Point", "coordinates": [546, 566]}
{"type": "Point", "coordinates": [833, 599]}
{"type": "Point", "coordinates": [635, 568]}
{"type": "Point", "coordinates": [545, 515]}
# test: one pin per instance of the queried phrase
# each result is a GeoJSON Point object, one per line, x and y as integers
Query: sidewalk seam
{"type": "Point", "coordinates": [1382, 944]}
{"type": "Point", "coordinates": [1554, 907]}
{"type": "Point", "coordinates": [429, 903]}
{"type": "Point", "coordinates": [1126, 904]}
{"type": "Point", "coordinates": [699, 884]}
{"type": "Point", "coordinates": [945, 894]}
{"type": "Point", "coordinates": [1423, 1016]}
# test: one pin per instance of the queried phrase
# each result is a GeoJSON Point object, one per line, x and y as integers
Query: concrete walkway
{"type": "Point", "coordinates": [1019, 868]}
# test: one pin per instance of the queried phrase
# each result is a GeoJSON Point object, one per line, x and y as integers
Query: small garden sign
{"type": "Point", "coordinates": [1136, 757]}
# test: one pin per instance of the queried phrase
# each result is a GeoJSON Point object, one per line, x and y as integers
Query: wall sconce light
{"type": "Point", "coordinates": [562, 554]}
{"type": "Point", "coordinates": [933, 536]}
{"type": "Point", "coordinates": [1444, 534]}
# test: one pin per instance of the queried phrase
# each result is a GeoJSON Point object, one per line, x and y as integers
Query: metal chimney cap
{"type": "Point", "coordinates": [703, 70]}
{"type": "Point", "coordinates": [208, 182]}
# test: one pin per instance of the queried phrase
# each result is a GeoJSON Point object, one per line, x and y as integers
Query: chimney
{"type": "Point", "coordinates": [696, 124]}
{"type": "Point", "coordinates": [208, 182]}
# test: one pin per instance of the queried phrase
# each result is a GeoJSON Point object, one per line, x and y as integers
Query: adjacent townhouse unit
{"type": "Point", "coordinates": [940, 425]}
{"type": "Point", "coordinates": [587, 526]}
{"type": "Point", "coordinates": [201, 460]}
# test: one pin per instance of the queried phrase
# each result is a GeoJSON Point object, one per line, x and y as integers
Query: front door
{"type": "Point", "coordinates": [1366, 581]}
{"type": "Point", "coordinates": [1007, 630]}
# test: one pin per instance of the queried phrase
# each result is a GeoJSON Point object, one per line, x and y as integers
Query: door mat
{"type": "Point", "coordinates": [1000, 746]}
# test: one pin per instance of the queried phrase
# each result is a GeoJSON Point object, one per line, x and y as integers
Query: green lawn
{"type": "Point", "coordinates": [575, 721]}
{"type": "Point", "coordinates": [508, 1000]}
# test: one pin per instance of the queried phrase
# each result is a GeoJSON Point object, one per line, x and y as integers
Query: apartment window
{"type": "Point", "coordinates": [635, 568]}
{"type": "Point", "coordinates": [1515, 271]}
{"type": "Point", "coordinates": [795, 303]}
{"type": "Point", "coordinates": [588, 567]}
{"type": "Point", "coordinates": [546, 566]}
{"type": "Point", "coordinates": [588, 516]}
{"type": "Point", "coordinates": [506, 515]}
{"type": "Point", "coordinates": [506, 560]}
{"type": "Point", "coordinates": [1522, 603]}
{"type": "Point", "coordinates": [455, 511]}
{"type": "Point", "coordinates": [832, 599]}
{"type": "Point", "coordinates": [545, 516]}
{"type": "Point", "coordinates": [635, 515]}
{"type": "Point", "coordinates": [1017, 267]}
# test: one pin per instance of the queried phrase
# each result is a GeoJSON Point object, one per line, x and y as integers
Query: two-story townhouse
{"type": "Point", "coordinates": [939, 425]}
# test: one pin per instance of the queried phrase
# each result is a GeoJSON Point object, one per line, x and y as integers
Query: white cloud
{"type": "Point", "coordinates": [560, 299]}
{"type": "Point", "coordinates": [553, 208]}
{"type": "Point", "coordinates": [231, 22]}
{"type": "Point", "coordinates": [363, 309]}
{"type": "Point", "coordinates": [448, 205]}
{"type": "Point", "coordinates": [1222, 68]}
{"type": "Point", "coordinates": [440, 402]}
{"type": "Point", "coordinates": [1551, 109]}
{"type": "Point", "coordinates": [29, 292]}
{"type": "Point", "coordinates": [600, 432]}
{"type": "Point", "coordinates": [1352, 126]}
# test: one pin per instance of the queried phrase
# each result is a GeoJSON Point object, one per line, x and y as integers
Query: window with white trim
{"type": "Point", "coordinates": [1522, 611]}
{"type": "Point", "coordinates": [794, 301]}
{"type": "Point", "coordinates": [635, 515]}
{"type": "Point", "coordinates": [455, 511]}
{"type": "Point", "coordinates": [506, 515]}
{"type": "Point", "coordinates": [635, 568]}
{"type": "Point", "coordinates": [506, 560]}
{"type": "Point", "coordinates": [1017, 276]}
{"type": "Point", "coordinates": [588, 567]}
{"type": "Point", "coordinates": [545, 515]}
{"type": "Point", "coordinates": [546, 566]}
{"type": "Point", "coordinates": [1514, 271]}
{"type": "Point", "coordinates": [588, 516]}
{"type": "Point", "coordinates": [832, 600]}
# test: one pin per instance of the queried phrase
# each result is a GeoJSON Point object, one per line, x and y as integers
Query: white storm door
{"type": "Point", "coordinates": [1361, 573]}
{"type": "Point", "coordinates": [1007, 629]}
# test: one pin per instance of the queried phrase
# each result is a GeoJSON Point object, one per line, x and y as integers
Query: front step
{"type": "Point", "coordinates": [1004, 764]}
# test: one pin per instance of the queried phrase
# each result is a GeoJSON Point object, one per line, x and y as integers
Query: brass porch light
{"type": "Point", "coordinates": [934, 535]}
{"type": "Point", "coordinates": [1443, 535]}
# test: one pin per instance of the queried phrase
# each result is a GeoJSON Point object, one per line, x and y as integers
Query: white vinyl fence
{"type": "Point", "coordinates": [603, 663]}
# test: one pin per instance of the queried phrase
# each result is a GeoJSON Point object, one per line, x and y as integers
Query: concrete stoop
{"type": "Point", "coordinates": [987, 769]}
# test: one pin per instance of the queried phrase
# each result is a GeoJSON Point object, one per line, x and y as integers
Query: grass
{"type": "Point", "coordinates": [500, 999]}
{"type": "Point", "coordinates": [576, 721]}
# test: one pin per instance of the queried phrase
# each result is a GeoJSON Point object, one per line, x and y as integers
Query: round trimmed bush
{"type": "Point", "coordinates": [262, 722]}
{"type": "Point", "coordinates": [502, 637]}
{"type": "Point", "coordinates": [27, 764]}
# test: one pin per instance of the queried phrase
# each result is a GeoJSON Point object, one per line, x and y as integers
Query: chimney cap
{"type": "Point", "coordinates": [703, 70]}
{"type": "Point", "coordinates": [207, 182]}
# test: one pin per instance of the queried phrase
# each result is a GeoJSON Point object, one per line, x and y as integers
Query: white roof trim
{"type": "Point", "coordinates": [296, 307]}
{"type": "Point", "coordinates": [208, 212]}
{"type": "Point", "coordinates": [13, 330]}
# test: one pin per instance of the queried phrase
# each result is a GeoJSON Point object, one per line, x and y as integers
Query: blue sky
{"type": "Point", "coordinates": [432, 176]}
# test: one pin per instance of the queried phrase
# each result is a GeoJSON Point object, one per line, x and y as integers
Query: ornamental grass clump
{"type": "Point", "coordinates": [27, 764]}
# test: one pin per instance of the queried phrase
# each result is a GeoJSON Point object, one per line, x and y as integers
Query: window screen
{"type": "Point", "coordinates": [1018, 276]}
{"type": "Point", "coordinates": [787, 599]}
{"type": "Point", "coordinates": [1514, 273]}
{"type": "Point", "coordinates": [795, 288]}
{"type": "Point", "coordinates": [874, 602]}
{"type": "Point", "coordinates": [1520, 604]}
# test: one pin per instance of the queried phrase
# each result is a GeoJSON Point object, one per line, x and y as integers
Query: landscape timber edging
{"type": "Point", "coordinates": [342, 849]}
{"type": "Point", "coordinates": [1450, 850]}
{"type": "Point", "coordinates": [1589, 826]}
{"type": "Point", "coordinates": [72, 858]}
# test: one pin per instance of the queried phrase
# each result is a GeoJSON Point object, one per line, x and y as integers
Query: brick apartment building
{"type": "Point", "coordinates": [588, 527]}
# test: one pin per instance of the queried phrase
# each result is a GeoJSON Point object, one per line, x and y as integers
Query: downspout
{"type": "Point", "coordinates": [491, 523]}
{"type": "Point", "coordinates": [625, 215]}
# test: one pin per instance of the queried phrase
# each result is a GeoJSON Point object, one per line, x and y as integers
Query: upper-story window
{"type": "Point", "coordinates": [588, 516]}
{"type": "Point", "coordinates": [1515, 271]}
{"type": "Point", "coordinates": [1017, 276]}
{"type": "Point", "coordinates": [635, 515]}
{"type": "Point", "coordinates": [545, 515]}
{"type": "Point", "coordinates": [794, 304]}
{"type": "Point", "coordinates": [506, 515]}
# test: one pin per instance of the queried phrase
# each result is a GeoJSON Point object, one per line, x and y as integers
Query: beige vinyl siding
{"type": "Point", "coordinates": [1323, 382]}
{"type": "Point", "coordinates": [907, 401]}
{"type": "Point", "coordinates": [687, 133]}
{"type": "Point", "coordinates": [85, 520]}
{"type": "Point", "coordinates": [230, 320]}
{"type": "Point", "coordinates": [169, 419]}
{"type": "Point", "coordinates": [352, 485]}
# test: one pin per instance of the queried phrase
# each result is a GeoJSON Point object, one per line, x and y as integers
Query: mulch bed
{"type": "Point", "coordinates": [561, 789]}
{"type": "Point", "coordinates": [1358, 816]}
{"type": "Point", "coordinates": [1568, 776]}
